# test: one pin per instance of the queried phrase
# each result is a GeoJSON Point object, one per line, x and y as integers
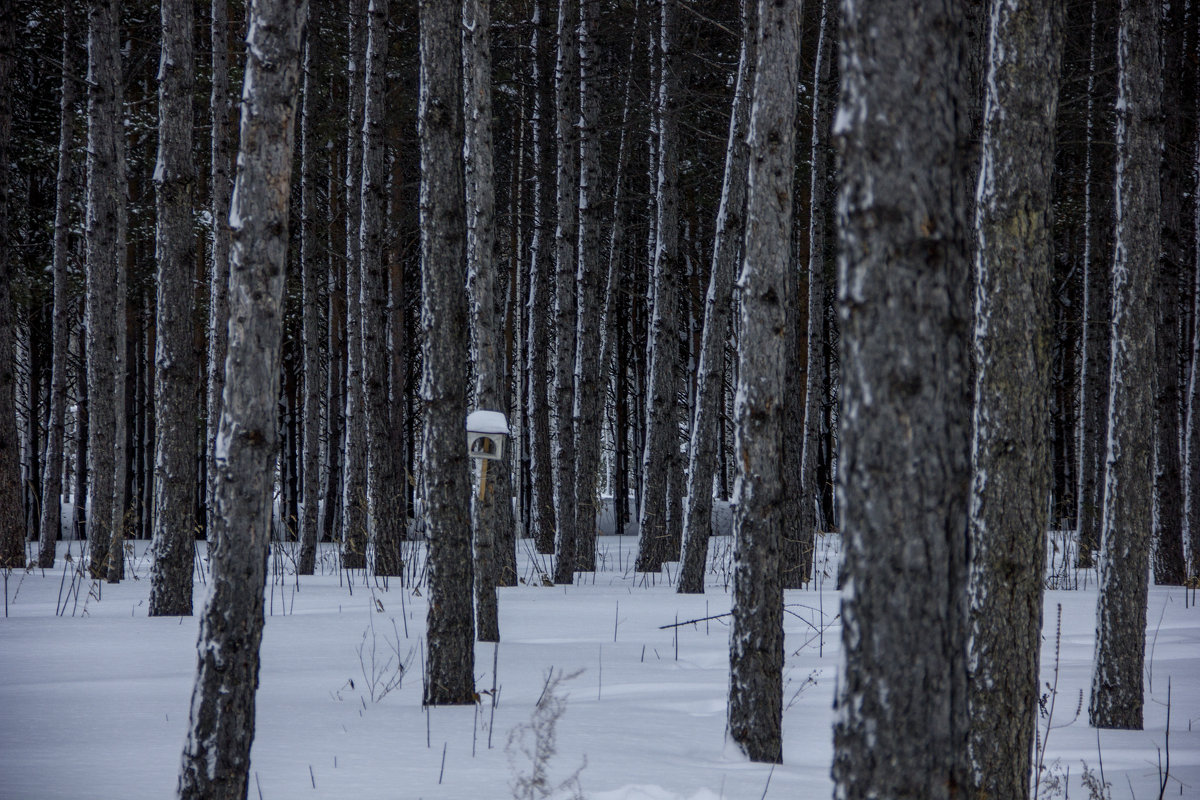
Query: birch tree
{"type": "Point", "coordinates": [216, 756]}
{"type": "Point", "coordinates": [386, 518]}
{"type": "Point", "coordinates": [105, 195]}
{"type": "Point", "coordinates": [52, 476]}
{"type": "Point", "coordinates": [1116, 697]}
{"type": "Point", "coordinates": [1010, 457]}
{"type": "Point", "coordinates": [710, 377]}
{"type": "Point", "coordinates": [449, 675]}
{"type": "Point", "coordinates": [904, 268]}
{"type": "Point", "coordinates": [756, 634]}
{"type": "Point", "coordinates": [175, 364]}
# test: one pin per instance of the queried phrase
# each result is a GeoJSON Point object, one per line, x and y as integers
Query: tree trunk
{"type": "Point", "coordinates": [491, 509]}
{"type": "Point", "coordinates": [383, 487]}
{"type": "Point", "coordinates": [354, 451]}
{"type": "Point", "coordinates": [542, 511]}
{"type": "Point", "coordinates": [566, 105]}
{"type": "Point", "coordinates": [223, 119]}
{"type": "Point", "coordinates": [52, 484]}
{"type": "Point", "coordinates": [590, 371]}
{"type": "Point", "coordinates": [174, 353]}
{"type": "Point", "coordinates": [310, 269]}
{"type": "Point", "coordinates": [1177, 260]}
{"type": "Point", "coordinates": [756, 635]}
{"type": "Point", "coordinates": [216, 757]}
{"type": "Point", "coordinates": [1116, 700]}
{"type": "Point", "coordinates": [449, 676]}
{"type": "Point", "coordinates": [904, 277]}
{"type": "Point", "coordinates": [1097, 303]}
{"type": "Point", "coordinates": [1010, 463]}
{"type": "Point", "coordinates": [662, 445]}
{"type": "Point", "coordinates": [104, 197]}
{"type": "Point", "coordinates": [12, 529]}
{"type": "Point", "coordinates": [710, 389]}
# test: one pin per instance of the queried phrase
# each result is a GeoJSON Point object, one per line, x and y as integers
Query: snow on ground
{"type": "Point", "coordinates": [95, 695]}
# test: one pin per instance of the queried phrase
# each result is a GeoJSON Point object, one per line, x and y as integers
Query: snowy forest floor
{"type": "Point", "coordinates": [94, 698]}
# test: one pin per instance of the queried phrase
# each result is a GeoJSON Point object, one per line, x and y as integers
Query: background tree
{"type": "Point", "coordinates": [905, 425]}
{"type": "Point", "coordinates": [175, 389]}
{"type": "Point", "coordinates": [756, 635]}
{"type": "Point", "coordinates": [1116, 698]}
{"type": "Point", "coordinates": [1010, 457]}
{"type": "Point", "coordinates": [216, 757]}
{"type": "Point", "coordinates": [449, 676]}
{"type": "Point", "coordinates": [12, 530]}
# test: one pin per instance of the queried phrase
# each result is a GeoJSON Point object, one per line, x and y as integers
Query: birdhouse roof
{"type": "Point", "coordinates": [493, 422]}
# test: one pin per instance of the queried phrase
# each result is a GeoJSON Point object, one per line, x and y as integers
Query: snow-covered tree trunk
{"type": "Point", "coordinates": [1095, 340]}
{"type": "Point", "coordinates": [12, 528]}
{"type": "Point", "coordinates": [566, 107]}
{"type": "Point", "coordinates": [1116, 700]}
{"type": "Point", "coordinates": [756, 633]}
{"type": "Point", "coordinates": [1010, 454]}
{"type": "Point", "coordinates": [354, 450]}
{"type": "Point", "coordinates": [103, 201]}
{"type": "Point", "coordinates": [491, 509]}
{"type": "Point", "coordinates": [590, 378]}
{"type": "Point", "coordinates": [904, 305]}
{"type": "Point", "coordinates": [383, 485]}
{"type": "Point", "coordinates": [449, 676]}
{"type": "Point", "coordinates": [223, 119]}
{"type": "Point", "coordinates": [542, 511]}
{"type": "Point", "coordinates": [710, 378]}
{"type": "Point", "coordinates": [662, 435]}
{"type": "Point", "coordinates": [175, 387]}
{"type": "Point", "coordinates": [310, 275]}
{"type": "Point", "coordinates": [52, 476]}
{"type": "Point", "coordinates": [1177, 260]}
{"type": "Point", "coordinates": [216, 757]}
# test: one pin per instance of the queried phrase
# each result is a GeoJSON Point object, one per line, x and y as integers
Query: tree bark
{"type": "Point", "coordinates": [756, 634]}
{"type": "Point", "coordinates": [566, 106]}
{"type": "Point", "coordinates": [216, 757]}
{"type": "Point", "coordinates": [12, 528]}
{"type": "Point", "coordinates": [904, 273]}
{"type": "Point", "coordinates": [449, 675]}
{"type": "Point", "coordinates": [222, 145]}
{"type": "Point", "coordinates": [662, 445]}
{"type": "Point", "coordinates": [174, 354]}
{"type": "Point", "coordinates": [385, 511]}
{"type": "Point", "coordinates": [354, 451]}
{"type": "Point", "coordinates": [104, 198]}
{"type": "Point", "coordinates": [710, 373]}
{"type": "Point", "coordinates": [491, 507]}
{"type": "Point", "coordinates": [542, 511]}
{"type": "Point", "coordinates": [50, 523]}
{"type": "Point", "coordinates": [1116, 700]}
{"type": "Point", "coordinates": [1010, 458]}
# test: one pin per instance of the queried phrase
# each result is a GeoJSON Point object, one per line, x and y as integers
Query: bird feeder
{"type": "Point", "coordinates": [486, 434]}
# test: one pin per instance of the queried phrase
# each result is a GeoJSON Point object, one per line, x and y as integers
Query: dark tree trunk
{"type": "Point", "coordinates": [904, 278]}
{"type": "Point", "coordinates": [1116, 700]}
{"type": "Point", "coordinates": [52, 484]}
{"type": "Point", "coordinates": [216, 757]}
{"type": "Point", "coordinates": [756, 636]}
{"type": "Point", "coordinates": [174, 353]}
{"type": "Point", "coordinates": [449, 676]}
{"type": "Point", "coordinates": [12, 528]}
{"type": "Point", "coordinates": [1010, 464]}
{"type": "Point", "coordinates": [710, 378]}
{"type": "Point", "coordinates": [105, 197]}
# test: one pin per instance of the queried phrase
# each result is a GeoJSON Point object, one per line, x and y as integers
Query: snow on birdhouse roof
{"type": "Point", "coordinates": [493, 422]}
